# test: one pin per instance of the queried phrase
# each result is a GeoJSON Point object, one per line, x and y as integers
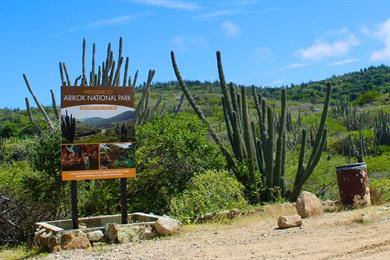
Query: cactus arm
{"type": "Point", "coordinates": [301, 158]}
{"type": "Point", "coordinates": [111, 77]}
{"type": "Point", "coordinates": [135, 79]}
{"type": "Point", "coordinates": [321, 127]}
{"type": "Point", "coordinates": [233, 97]}
{"type": "Point", "coordinates": [237, 135]}
{"type": "Point", "coordinates": [229, 127]}
{"type": "Point", "coordinates": [30, 115]}
{"type": "Point", "coordinates": [92, 78]}
{"type": "Point", "coordinates": [63, 83]}
{"type": "Point", "coordinates": [126, 72]}
{"type": "Point", "coordinates": [84, 78]}
{"type": "Point", "coordinates": [118, 73]}
{"type": "Point", "coordinates": [224, 86]}
{"type": "Point", "coordinates": [54, 104]}
{"type": "Point", "coordinates": [145, 92]}
{"type": "Point", "coordinates": [269, 148]}
{"type": "Point", "coordinates": [279, 145]}
{"type": "Point", "coordinates": [199, 112]}
{"type": "Point", "coordinates": [68, 80]}
{"type": "Point", "coordinates": [41, 109]}
{"type": "Point", "coordinates": [248, 141]}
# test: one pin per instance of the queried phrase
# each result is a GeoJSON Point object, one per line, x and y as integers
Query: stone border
{"type": "Point", "coordinates": [58, 235]}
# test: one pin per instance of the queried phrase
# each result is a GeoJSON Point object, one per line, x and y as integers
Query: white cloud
{"type": "Point", "coordinates": [295, 66]}
{"type": "Point", "coordinates": [110, 21]}
{"type": "Point", "coordinates": [170, 4]}
{"type": "Point", "coordinates": [321, 49]}
{"type": "Point", "coordinates": [231, 29]}
{"type": "Point", "coordinates": [232, 11]}
{"type": "Point", "coordinates": [383, 33]}
{"type": "Point", "coordinates": [217, 14]}
{"type": "Point", "coordinates": [343, 62]}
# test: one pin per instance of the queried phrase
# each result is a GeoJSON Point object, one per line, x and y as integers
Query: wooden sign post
{"type": "Point", "coordinates": [98, 138]}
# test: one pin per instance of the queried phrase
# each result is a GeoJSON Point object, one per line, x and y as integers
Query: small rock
{"type": "Point", "coordinates": [166, 226]}
{"type": "Point", "coordinates": [111, 232]}
{"type": "Point", "coordinates": [95, 236]}
{"type": "Point", "coordinates": [308, 205]}
{"type": "Point", "coordinates": [289, 221]}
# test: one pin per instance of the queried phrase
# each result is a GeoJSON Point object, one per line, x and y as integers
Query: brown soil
{"type": "Point", "coordinates": [357, 234]}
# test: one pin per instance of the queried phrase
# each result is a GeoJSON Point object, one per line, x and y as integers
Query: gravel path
{"type": "Point", "coordinates": [358, 234]}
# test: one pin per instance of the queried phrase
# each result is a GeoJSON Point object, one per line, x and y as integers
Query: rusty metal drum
{"type": "Point", "coordinates": [353, 185]}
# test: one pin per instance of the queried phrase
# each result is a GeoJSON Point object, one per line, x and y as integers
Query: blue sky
{"type": "Point", "coordinates": [267, 43]}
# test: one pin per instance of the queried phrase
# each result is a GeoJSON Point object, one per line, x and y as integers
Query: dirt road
{"type": "Point", "coordinates": [358, 234]}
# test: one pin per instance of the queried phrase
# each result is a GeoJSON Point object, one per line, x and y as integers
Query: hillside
{"type": "Point", "coordinates": [109, 122]}
{"type": "Point", "coordinates": [375, 79]}
{"type": "Point", "coordinates": [361, 87]}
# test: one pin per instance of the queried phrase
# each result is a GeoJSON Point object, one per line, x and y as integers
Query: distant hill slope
{"type": "Point", "coordinates": [349, 85]}
{"type": "Point", "coordinates": [107, 122]}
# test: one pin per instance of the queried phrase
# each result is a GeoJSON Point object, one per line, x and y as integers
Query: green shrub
{"type": "Point", "coordinates": [170, 150]}
{"type": "Point", "coordinates": [44, 183]}
{"type": "Point", "coordinates": [99, 197]}
{"type": "Point", "coordinates": [208, 192]}
{"type": "Point", "coordinates": [367, 97]}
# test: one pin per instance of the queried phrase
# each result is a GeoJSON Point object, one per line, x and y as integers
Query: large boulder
{"type": "Point", "coordinates": [166, 226]}
{"type": "Point", "coordinates": [74, 240]}
{"type": "Point", "coordinates": [308, 205]}
{"type": "Point", "coordinates": [289, 221]}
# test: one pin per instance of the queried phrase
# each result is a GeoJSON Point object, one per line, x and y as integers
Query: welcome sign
{"type": "Point", "coordinates": [98, 135]}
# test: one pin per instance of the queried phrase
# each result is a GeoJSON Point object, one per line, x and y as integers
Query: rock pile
{"type": "Point", "coordinates": [55, 241]}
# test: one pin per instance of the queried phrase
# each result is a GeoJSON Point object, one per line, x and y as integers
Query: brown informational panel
{"type": "Point", "coordinates": [98, 135]}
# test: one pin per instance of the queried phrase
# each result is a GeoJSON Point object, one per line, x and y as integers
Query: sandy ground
{"type": "Point", "coordinates": [357, 234]}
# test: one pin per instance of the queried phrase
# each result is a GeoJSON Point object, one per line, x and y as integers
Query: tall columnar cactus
{"type": "Point", "coordinates": [263, 153]}
{"type": "Point", "coordinates": [304, 172]}
{"type": "Point", "coordinates": [68, 127]}
{"type": "Point", "coordinates": [382, 130]}
{"type": "Point", "coordinates": [123, 131]}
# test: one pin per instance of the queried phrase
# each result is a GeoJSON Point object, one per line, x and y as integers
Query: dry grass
{"type": "Point", "coordinates": [20, 252]}
{"type": "Point", "coordinates": [262, 213]}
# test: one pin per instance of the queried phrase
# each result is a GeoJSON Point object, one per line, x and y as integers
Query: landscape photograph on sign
{"type": "Point", "coordinates": [117, 156]}
{"type": "Point", "coordinates": [97, 124]}
{"type": "Point", "coordinates": [80, 157]}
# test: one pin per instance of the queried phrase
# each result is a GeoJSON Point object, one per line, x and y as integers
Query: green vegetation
{"type": "Point", "coordinates": [250, 147]}
{"type": "Point", "coordinates": [210, 191]}
{"type": "Point", "coordinates": [170, 151]}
